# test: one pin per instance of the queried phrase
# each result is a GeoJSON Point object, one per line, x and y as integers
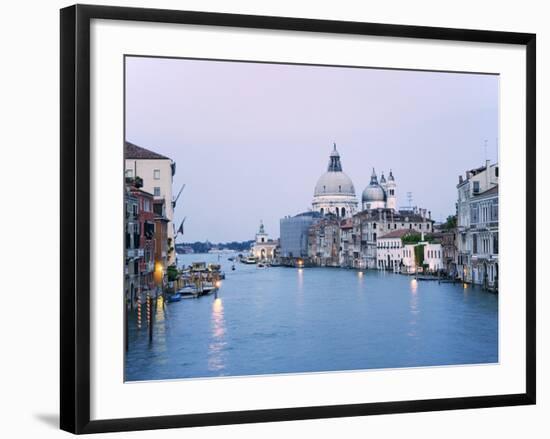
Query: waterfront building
{"type": "Point", "coordinates": [430, 254]}
{"type": "Point", "coordinates": [294, 236]}
{"type": "Point", "coordinates": [447, 237]}
{"type": "Point", "coordinates": [161, 238]}
{"type": "Point", "coordinates": [156, 173]}
{"type": "Point", "coordinates": [145, 253]}
{"type": "Point", "coordinates": [131, 244]}
{"type": "Point", "coordinates": [389, 250]}
{"type": "Point", "coordinates": [324, 242]}
{"type": "Point", "coordinates": [370, 224]}
{"type": "Point", "coordinates": [477, 226]}
{"type": "Point", "coordinates": [380, 195]}
{"type": "Point", "coordinates": [334, 192]}
{"type": "Point", "coordinates": [264, 248]}
{"type": "Point", "coordinates": [346, 248]}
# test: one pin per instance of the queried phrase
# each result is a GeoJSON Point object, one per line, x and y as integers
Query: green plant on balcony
{"type": "Point", "coordinates": [172, 273]}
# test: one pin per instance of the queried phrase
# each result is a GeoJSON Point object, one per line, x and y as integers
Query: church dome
{"type": "Point", "coordinates": [373, 192]}
{"type": "Point", "coordinates": [334, 181]}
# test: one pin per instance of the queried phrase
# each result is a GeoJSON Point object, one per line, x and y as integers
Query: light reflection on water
{"type": "Point", "coordinates": [215, 358]}
{"type": "Point", "coordinates": [285, 320]}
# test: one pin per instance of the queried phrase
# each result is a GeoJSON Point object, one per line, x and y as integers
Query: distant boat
{"type": "Point", "coordinates": [233, 267]}
{"type": "Point", "coordinates": [249, 260]}
{"type": "Point", "coordinates": [261, 265]}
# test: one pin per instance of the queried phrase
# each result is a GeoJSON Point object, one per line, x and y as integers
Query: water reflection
{"type": "Point", "coordinates": [217, 343]}
{"type": "Point", "coordinates": [413, 308]}
{"type": "Point", "coordinates": [160, 307]}
{"type": "Point", "coordinates": [285, 320]}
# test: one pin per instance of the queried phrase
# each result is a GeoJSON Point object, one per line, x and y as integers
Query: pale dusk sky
{"type": "Point", "coordinates": [250, 140]}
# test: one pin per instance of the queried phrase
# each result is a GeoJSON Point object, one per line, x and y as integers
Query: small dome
{"type": "Point", "coordinates": [373, 192]}
{"type": "Point", "coordinates": [334, 183]}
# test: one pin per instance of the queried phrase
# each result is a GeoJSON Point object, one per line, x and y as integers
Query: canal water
{"type": "Point", "coordinates": [287, 320]}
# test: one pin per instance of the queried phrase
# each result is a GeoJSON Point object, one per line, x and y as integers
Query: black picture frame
{"type": "Point", "coordinates": [75, 217]}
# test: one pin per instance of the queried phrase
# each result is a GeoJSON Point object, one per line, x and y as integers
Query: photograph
{"type": "Point", "coordinates": [288, 218]}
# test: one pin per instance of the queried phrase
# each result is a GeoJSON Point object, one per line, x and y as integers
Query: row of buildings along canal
{"type": "Point", "coordinates": [336, 232]}
{"type": "Point", "coordinates": [376, 234]}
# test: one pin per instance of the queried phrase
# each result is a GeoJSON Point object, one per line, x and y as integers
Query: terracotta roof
{"type": "Point", "coordinates": [132, 151]}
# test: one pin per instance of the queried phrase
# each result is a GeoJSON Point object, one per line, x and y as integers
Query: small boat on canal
{"type": "Point", "coordinates": [176, 297]}
{"type": "Point", "coordinates": [250, 260]}
{"type": "Point", "coordinates": [188, 292]}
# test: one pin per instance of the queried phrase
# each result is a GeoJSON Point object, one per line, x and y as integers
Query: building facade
{"type": "Point", "coordinates": [422, 257]}
{"type": "Point", "coordinates": [264, 248]}
{"type": "Point", "coordinates": [156, 173]}
{"type": "Point", "coordinates": [131, 243]}
{"type": "Point", "coordinates": [369, 225]}
{"type": "Point", "coordinates": [324, 242]}
{"type": "Point", "coordinates": [389, 250]}
{"type": "Point", "coordinates": [294, 235]}
{"type": "Point", "coordinates": [146, 243]}
{"type": "Point", "coordinates": [161, 240]}
{"type": "Point", "coordinates": [477, 227]}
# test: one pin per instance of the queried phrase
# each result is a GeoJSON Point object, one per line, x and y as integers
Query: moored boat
{"type": "Point", "coordinates": [176, 297]}
{"type": "Point", "coordinates": [188, 292]}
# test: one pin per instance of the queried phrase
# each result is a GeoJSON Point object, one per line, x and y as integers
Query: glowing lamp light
{"type": "Point", "coordinates": [159, 273]}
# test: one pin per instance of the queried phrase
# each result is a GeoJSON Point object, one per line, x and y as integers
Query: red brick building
{"type": "Point", "coordinates": [146, 241]}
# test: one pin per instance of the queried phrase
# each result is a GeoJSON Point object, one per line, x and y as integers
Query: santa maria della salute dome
{"type": "Point", "coordinates": [334, 192]}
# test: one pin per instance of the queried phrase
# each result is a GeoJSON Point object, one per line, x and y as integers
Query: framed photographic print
{"type": "Point", "coordinates": [268, 218]}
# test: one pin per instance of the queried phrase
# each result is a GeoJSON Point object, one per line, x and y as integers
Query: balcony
{"type": "Point", "coordinates": [134, 253]}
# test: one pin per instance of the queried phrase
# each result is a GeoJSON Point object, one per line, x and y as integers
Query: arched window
{"type": "Point", "coordinates": [322, 211]}
{"type": "Point", "coordinates": [343, 211]}
{"type": "Point", "coordinates": [337, 212]}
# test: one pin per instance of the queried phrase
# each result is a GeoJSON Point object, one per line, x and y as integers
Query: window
{"type": "Point", "coordinates": [476, 187]}
{"type": "Point", "coordinates": [474, 242]}
{"type": "Point", "coordinates": [129, 173]}
{"type": "Point", "coordinates": [156, 174]}
{"type": "Point", "coordinates": [343, 211]}
{"type": "Point", "coordinates": [156, 192]}
{"type": "Point", "coordinates": [374, 226]}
